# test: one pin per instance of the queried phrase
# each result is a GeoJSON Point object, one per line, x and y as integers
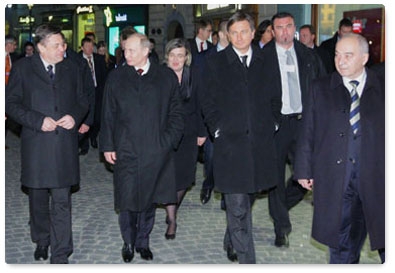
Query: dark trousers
{"type": "Point", "coordinates": [136, 226]}
{"type": "Point", "coordinates": [50, 221]}
{"type": "Point", "coordinates": [239, 226]}
{"type": "Point", "coordinates": [208, 182]}
{"type": "Point", "coordinates": [353, 231]}
{"type": "Point", "coordinates": [83, 141]}
{"type": "Point", "coordinates": [285, 195]}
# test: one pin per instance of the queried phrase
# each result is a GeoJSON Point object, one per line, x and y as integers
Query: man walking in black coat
{"type": "Point", "coordinates": [240, 119]}
{"type": "Point", "coordinates": [142, 124]}
{"type": "Point", "coordinates": [341, 154]}
{"type": "Point", "coordinates": [289, 69]}
{"type": "Point", "coordinates": [45, 95]}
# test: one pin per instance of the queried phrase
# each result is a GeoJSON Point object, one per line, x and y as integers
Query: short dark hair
{"type": "Point", "coordinates": [310, 27]}
{"type": "Point", "coordinates": [345, 22]}
{"type": "Point", "coordinates": [203, 24]}
{"type": "Point", "coordinates": [127, 32]}
{"type": "Point", "coordinates": [281, 15]}
{"type": "Point", "coordinates": [240, 16]}
{"type": "Point", "coordinates": [86, 40]}
{"type": "Point", "coordinates": [44, 31]}
{"type": "Point", "coordinates": [9, 39]}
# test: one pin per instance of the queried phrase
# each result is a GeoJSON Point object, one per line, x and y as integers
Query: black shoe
{"type": "Point", "coordinates": [145, 253]}
{"type": "Point", "coordinates": [281, 241]}
{"type": "Point", "coordinates": [41, 253]}
{"type": "Point", "coordinates": [205, 195]}
{"type": "Point", "coordinates": [231, 254]}
{"type": "Point", "coordinates": [127, 253]}
{"type": "Point", "coordinates": [170, 236]}
{"type": "Point", "coordinates": [94, 143]}
{"type": "Point", "coordinates": [83, 152]}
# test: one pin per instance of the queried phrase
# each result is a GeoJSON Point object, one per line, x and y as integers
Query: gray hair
{"type": "Point", "coordinates": [178, 43]}
{"type": "Point", "coordinates": [362, 42]}
{"type": "Point", "coordinates": [43, 32]}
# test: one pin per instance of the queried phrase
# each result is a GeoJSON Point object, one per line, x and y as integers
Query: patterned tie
{"type": "Point", "coordinates": [244, 60]}
{"type": "Point", "coordinates": [294, 94]}
{"type": "Point", "coordinates": [354, 109]}
{"type": "Point", "coordinates": [92, 69]}
{"type": "Point", "coordinates": [50, 72]}
{"type": "Point", "coordinates": [140, 71]}
{"type": "Point", "coordinates": [201, 46]}
{"type": "Point", "coordinates": [7, 67]}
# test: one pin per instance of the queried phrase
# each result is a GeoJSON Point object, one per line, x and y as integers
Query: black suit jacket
{"type": "Point", "coordinates": [194, 49]}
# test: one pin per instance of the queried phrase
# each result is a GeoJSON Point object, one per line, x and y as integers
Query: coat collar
{"type": "Point", "coordinates": [232, 56]}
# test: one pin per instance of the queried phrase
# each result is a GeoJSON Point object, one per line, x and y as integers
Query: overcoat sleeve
{"type": "Point", "coordinates": [305, 141]}
{"type": "Point", "coordinates": [14, 103]}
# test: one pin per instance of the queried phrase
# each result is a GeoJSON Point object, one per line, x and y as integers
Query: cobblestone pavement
{"type": "Point", "coordinates": [200, 231]}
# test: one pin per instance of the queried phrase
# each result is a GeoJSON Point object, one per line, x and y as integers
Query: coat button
{"type": "Point", "coordinates": [56, 109]}
{"type": "Point", "coordinates": [247, 131]}
{"type": "Point", "coordinates": [339, 161]}
{"type": "Point", "coordinates": [56, 132]}
{"type": "Point", "coordinates": [341, 134]}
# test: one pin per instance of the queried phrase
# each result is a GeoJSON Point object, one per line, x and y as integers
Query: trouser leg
{"type": "Point", "coordinates": [39, 216]}
{"type": "Point", "coordinates": [128, 226]}
{"type": "Point", "coordinates": [239, 223]}
{"type": "Point", "coordinates": [61, 229]}
{"type": "Point", "coordinates": [145, 224]}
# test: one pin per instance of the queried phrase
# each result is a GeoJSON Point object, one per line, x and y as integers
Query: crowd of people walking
{"type": "Point", "coordinates": [254, 102]}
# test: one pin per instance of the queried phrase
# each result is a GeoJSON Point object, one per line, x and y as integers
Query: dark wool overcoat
{"type": "Point", "coordinates": [322, 154]}
{"type": "Point", "coordinates": [49, 159]}
{"type": "Point", "coordinates": [142, 121]}
{"type": "Point", "coordinates": [235, 103]}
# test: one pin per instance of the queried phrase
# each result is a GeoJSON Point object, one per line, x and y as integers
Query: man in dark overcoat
{"type": "Point", "coordinates": [142, 122]}
{"type": "Point", "coordinates": [45, 95]}
{"type": "Point", "coordinates": [240, 118]}
{"type": "Point", "coordinates": [340, 154]}
{"type": "Point", "coordinates": [289, 69]}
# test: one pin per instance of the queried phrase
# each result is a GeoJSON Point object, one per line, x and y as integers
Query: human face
{"type": "Point", "coordinates": [349, 59]}
{"type": "Point", "coordinates": [306, 37]}
{"type": "Point", "coordinates": [344, 30]}
{"type": "Point", "coordinates": [267, 36]}
{"type": "Point", "coordinates": [284, 31]}
{"type": "Point", "coordinates": [204, 33]}
{"type": "Point", "coordinates": [52, 49]}
{"type": "Point", "coordinates": [10, 47]}
{"type": "Point", "coordinates": [240, 35]}
{"type": "Point", "coordinates": [29, 50]}
{"type": "Point", "coordinates": [135, 53]}
{"type": "Point", "coordinates": [101, 50]}
{"type": "Point", "coordinates": [177, 58]}
{"type": "Point", "coordinates": [87, 48]}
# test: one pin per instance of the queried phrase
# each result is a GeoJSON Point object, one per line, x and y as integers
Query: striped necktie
{"type": "Point", "coordinates": [354, 109]}
{"type": "Point", "coordinates": [7, 67]}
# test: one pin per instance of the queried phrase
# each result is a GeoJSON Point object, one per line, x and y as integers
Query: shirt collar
{"type": "Point", "coordinates": [361, 79]}
{"type": "Point", "coordinates": [248, 53]}
{"type": "Point", "coordinates": [46, 65]}
{"type": "Point", "coordinates": [145, 68]}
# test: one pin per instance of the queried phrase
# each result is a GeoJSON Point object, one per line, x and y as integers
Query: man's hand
{"type": "Point", "coordinates": [83, 128]}
{"type": "Point", "coordinates": [110, 157]}
{"type": "Point", "coordinates": [306, 183]}
{"type": "Point", "coordinates": [48, 125]}
{"type": "Point", "coordinates": [201, 140]}
{"type": "Point", "coordinates": [67, 122]}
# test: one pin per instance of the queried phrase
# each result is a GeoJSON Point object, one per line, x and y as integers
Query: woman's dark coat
{"type": "Point", "coordinates": [49, 159]}
{"type": "Point", "coordinates": [142, 121]}
{"type": "Point", "coordinates": [235, 102]}
{"type": "Point", "coordinates": [322, 155]}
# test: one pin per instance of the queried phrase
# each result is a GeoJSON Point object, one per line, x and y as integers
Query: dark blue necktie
{"type": "Point", "coordinates": [354, 109]}
{"type": "Point", "coordinates": [50, 72]}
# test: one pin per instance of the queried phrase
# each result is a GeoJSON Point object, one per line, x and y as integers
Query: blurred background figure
{"type": "Point", "coordinates": [28, 50]}
{"type": "Point", "coordinates": [153, 56]}
{"type": "Point", "coordinates": [263, 34]}
{"type": "Point", "coordinates": [110, 60]}
{"type": "Point", "coordinates": [214, 38]}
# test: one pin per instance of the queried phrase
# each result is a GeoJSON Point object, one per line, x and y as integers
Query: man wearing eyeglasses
{"type": "Point", "coordinates": [289, 69]}
{"type": "Point", "coordinates": [45, 95]}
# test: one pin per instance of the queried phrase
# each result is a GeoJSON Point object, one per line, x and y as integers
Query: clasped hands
{"type": "Point", "coordinates": [49, 124]}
